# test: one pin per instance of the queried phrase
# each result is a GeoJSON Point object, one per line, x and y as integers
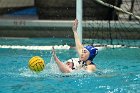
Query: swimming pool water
{"type": "Point", "coordinates": [118, 70]}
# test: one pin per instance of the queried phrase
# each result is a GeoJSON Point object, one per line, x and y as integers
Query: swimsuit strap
{"type": "Point", "coordinates": [84, 63]}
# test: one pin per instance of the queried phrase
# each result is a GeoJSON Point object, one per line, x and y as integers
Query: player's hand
{"type": "Point", "coordinates": [53, 51]}
{"type": "Point", "coordinates": [75, 25]}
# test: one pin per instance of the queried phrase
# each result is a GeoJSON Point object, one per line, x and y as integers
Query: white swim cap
{"type": "Point", "coordinates": [75, 61]}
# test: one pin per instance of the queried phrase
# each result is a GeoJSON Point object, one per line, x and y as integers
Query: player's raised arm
{"type": "Point", "coordinates": [63, 68]}
{"type": "Point", "coordinates": [79, 45]}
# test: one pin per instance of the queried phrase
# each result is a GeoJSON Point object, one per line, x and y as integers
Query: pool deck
{"type": "Point", "coordinates": [68, 23]}
{"type": "Point", "coordinates": [43, 28]}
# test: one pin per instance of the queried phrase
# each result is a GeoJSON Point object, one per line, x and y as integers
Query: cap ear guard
{"type": "Point", "coordinates": [93, 52]}
{"type": "Point", "coordinates": [92, 56]}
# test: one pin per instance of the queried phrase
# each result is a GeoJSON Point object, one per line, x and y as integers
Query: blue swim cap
{"type": "Point", "coordinates": [93, 52]}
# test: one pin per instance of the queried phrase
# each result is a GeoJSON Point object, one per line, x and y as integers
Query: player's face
{"type": "Point", "coordinates": [84, 55]}
{"type": "Point", "coordinates": [69, 64]}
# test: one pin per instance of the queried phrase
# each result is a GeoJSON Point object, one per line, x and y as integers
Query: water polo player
{"type": "Point", "coordinates": [86, 56]}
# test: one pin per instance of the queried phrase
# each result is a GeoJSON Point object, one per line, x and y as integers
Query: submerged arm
{"type": "Point", "coordinates": [63, 68]}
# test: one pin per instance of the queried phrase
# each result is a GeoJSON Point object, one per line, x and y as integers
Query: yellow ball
{"type": "Point", "coordinates": [36, 64]}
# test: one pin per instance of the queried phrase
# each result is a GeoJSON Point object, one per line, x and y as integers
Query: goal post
{"type": "Point", "coordinates": [79, 15]}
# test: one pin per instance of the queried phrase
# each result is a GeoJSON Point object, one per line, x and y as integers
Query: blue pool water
{"type": "Point", "coordinates": [118, 70]}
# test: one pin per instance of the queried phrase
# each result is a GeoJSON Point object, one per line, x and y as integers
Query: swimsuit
{"type": "Point", "coordinates": [77, 64]}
